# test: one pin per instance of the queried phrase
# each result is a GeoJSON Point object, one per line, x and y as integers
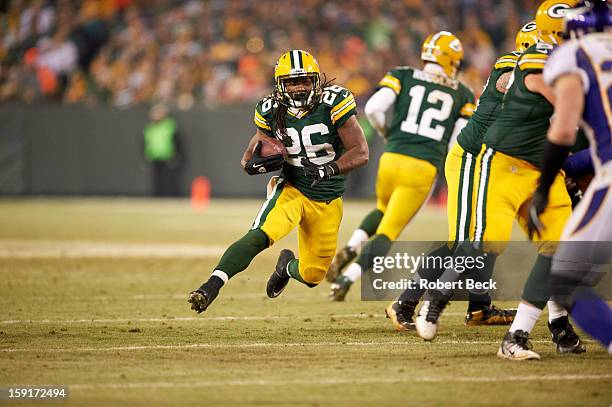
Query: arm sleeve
{"type": "Point", "coordinates": [579, 164]}
{"type": "Point", "coordinates": [377, 106]}
{"type": "Point", "coordinates": [343, 108]}
{"type": "Point", "coordinates": [261, 120]}
{"type": "Point", "coordinates": [392, 80]}
{"type": "Point", "coordinates": [534, 58]}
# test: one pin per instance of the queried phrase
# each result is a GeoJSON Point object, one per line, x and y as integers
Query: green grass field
{"type": "Point", "coordinates": [93, 295]}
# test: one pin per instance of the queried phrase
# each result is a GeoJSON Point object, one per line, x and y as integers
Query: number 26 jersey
{"type": "Point", "coordinates": [312, 134]}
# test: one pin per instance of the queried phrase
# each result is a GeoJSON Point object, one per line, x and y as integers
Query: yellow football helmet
{"type": "Point", "coordinates": [526, 36]}
{"type": "Point", "coordinates": [549, 20]}
{"type": "Point", "coordinates": [445, 49]}
{"type": "Point", "coordinates": [297, 64]}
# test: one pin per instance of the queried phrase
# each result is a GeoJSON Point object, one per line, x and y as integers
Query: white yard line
{"type": "Point", "coordinates": [27, 249]}
{"type": "Point", "coordinates": [183, 319]}
{"type": "Point", "coordinates": [244, 346]}
{"type": "Point", "coordinates": [311, 381]}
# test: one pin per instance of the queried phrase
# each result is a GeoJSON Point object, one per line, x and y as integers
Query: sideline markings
{"type": "Point", "coordinates": [28, 249]}
{"type": "Point", "coordinates": [338, 381]}
{"type": "Point", "coordinates": [187, 319]}
{"type": "Point", "coordinates": [247, 345]}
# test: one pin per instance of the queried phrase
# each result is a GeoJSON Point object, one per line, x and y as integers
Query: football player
{"type": "Point", "coordinates": [324, 141]}
{"type": "Point", "coordinates": [426, 105]}
{"type": "Point", "coordinates": [511, 155]}
{"type": "Point", "coordinates": [580, 72]}
{"type": "Point", "coordinates": [459, 170]}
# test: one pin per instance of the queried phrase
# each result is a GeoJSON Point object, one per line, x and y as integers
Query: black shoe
{"type": "Point", "coordinates": [401, 313]}
{"type": "Point", "coordinates": [340, 261]}
{"type": "Point", "coordinates": [564, 336]}
{"type": "Point", "coordinates": [490, 316]}
{"type": "Point", "coordinates": [340, 288]}
{"type": "Point", "coordinates": [279, 279]}
{"type": "Point", "coordinates": [199, 300]}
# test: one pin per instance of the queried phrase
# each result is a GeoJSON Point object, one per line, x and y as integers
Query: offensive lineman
{"type": "Point", "coordinates": [512, 157]}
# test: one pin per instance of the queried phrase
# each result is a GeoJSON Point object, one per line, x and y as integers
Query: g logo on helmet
{"type": "Point", "coordinates": [557, 10]}
{"type": "Point", "coordinates": [531, 26]}
{"type": "Point", "coordinates": [455, 45]}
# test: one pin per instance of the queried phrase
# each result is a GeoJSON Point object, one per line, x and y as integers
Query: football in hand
{"type": "Point", "coordinates": [272, 146]}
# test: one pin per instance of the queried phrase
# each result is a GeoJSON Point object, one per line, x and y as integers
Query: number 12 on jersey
{"type": "Point", "coordinates": [423, 126]}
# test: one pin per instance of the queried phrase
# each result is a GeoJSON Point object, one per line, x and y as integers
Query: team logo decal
{"type": "Point", "coordinates": [455, 45]}
{"type": "Point", "coordinates": [531, 26]}
{"type": "Point", "coordinates": [557, 10]}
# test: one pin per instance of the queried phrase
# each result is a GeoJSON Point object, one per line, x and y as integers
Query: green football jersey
{"type": "Point", "coordinates": [312, 134]}
{"type": "Point", "coordinates": [520, 129]}
{"type": "Point", "coordinates": [488, 106]}
{"type": "Point", "coordinates": [425, 112]}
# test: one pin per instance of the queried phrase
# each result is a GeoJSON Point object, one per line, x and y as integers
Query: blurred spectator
{"type": "Point", "coordinates": [162, 150]}
{"type": "Point", "coordinates": [188, 53]}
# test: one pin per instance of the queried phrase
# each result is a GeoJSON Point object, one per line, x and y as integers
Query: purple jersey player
{"type": "Point", "coordinates": [580, 71]}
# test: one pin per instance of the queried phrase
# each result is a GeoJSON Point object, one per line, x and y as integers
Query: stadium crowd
{"type": "Point", "coordinates": [192, 53]}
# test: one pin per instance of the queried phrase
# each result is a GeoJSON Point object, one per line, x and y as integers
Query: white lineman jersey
{"type": "Point", "coordinates": [591, 58]}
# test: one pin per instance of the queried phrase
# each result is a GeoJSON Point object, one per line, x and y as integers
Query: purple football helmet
{"type": "Point", "coordinates": [589, 16]}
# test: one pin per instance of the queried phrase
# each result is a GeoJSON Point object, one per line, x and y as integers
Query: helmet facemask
{"type": "Point", "coordinates": [300, 99]}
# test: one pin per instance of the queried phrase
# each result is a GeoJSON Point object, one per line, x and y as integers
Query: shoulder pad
{"type": "Point", "coordinates": [507, 61]}
{"type": "Point", "coordinates": [534, 58]}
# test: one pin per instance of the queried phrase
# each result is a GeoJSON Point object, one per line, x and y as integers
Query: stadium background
{"type": "Point", "coordinates": [93, 290]}
{"type": "Point", "coordinates": [77, 78]}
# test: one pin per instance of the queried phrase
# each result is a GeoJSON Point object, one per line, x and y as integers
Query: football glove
{"type": "Point", "coordinates": [535, 227]}
{"type": "Point", "coordinates": [261, 165]}
{"type": "Point", "coordinates": [319, 173]}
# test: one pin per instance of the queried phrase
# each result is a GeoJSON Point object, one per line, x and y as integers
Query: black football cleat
{"type": "Point", "coordinates": [490, 316]}
{"type": "Point", "coordinates": [340, 288]}
{"type": "Point", "coordinates": [199, 300]}
{"type": "Point", "coordinates": [401, 313]}
{"type": "Point", "coordinates": [280, 277]}
{"type": "Point", "coordinates": [564, 336]}
{"type": "Point", "coordinates": [340, 261]}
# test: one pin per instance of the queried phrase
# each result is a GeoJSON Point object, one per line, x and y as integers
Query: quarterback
{"type": "Point", "coordinates": [317, 125]}
{"type": "Point", "coordinates": [426, 104]}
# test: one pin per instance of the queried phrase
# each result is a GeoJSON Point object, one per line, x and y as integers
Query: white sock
{"type": "Point", "coordinates": [610, 348]}
{"type": "Point", "coordinates": [221, 274]}
{"type": "Point", "coordinates": [555, 311]}
{"type": "Point", "coordinates": [358, 238]}
{"type": "Point", "coordinates": [526, 318]}
{"type": "Point", "coordinates": [353, 272]}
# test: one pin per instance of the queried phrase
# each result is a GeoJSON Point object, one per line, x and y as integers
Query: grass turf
{"type": "Point", "coordinates": [119, 330]}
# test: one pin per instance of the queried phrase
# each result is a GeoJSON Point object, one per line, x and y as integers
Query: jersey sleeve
{"type": "Point", "coordinates": [563, 61]}
{"type": "Point", "coordinates": [534, 58]}
{"type": "Point", "coordinates": [262, 116]}
{"type": "Point", "coordinates": [468, 103]}
{"type": "Point", "coordinates": [507, 62]}
{"type": "Point", "coordinates": [342, 107]}
{"type": "Point", "coordinates": [392, 80]}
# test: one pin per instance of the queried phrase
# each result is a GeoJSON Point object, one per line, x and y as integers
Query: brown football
{"type": "Point", "coordinates": [272, 146]}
